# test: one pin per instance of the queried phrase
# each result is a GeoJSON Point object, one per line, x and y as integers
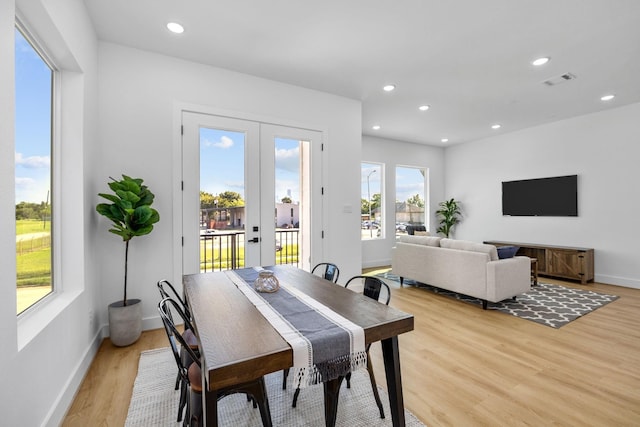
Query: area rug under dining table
{"type": "Point", "coordinates": [547, 304]}
{"type": "Point", "coordinates": [154, 401]}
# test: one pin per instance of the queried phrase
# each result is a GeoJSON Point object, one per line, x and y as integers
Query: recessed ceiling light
{"type": "Point", "coordinates": [540, 61]}
{"type": "Point", "coordinates": [444, 140]}
{"type": "Point", "coordinates": [389, 88]}
{"type": "Point", "coordinates": [423, 107]}
{"type": "Point", "coordinates": [607, 97]}
{"type": "Point", "coordinates": [496, 126]}
{"type": "Point", "coordinates": [174, 27]}
{"type": "Point", "coordinates": [376, 127]}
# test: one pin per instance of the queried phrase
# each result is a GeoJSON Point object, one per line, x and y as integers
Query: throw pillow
{"type": "Point", "coordinates": [505, 252]}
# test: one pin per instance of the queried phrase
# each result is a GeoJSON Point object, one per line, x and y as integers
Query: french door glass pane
{"type": "Point", "coordinates": [222, 199]}
{"type": "Point", "coordinates": [288, 200]}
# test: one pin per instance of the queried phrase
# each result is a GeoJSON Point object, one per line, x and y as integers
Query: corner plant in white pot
{"type": "Point", "coordinates": [448, 215]}
{"type": "Point", "coordinates": [131, 215]}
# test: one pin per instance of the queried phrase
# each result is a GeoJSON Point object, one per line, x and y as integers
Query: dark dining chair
{"type": "Point", "coordinates": [191, 373]}
{"type": "Point", "coordinates": [188, 367]}
{"type": "Point", "coordinates": [328, 270]}
{"type": "Point", "coordinates": [168, 291]}
{"type": "Point", "coordinates": [173, 294]}
{"type": "Point", "coordinates": [372, 287]}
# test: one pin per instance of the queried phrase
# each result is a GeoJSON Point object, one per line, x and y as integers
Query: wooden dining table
{"type": "Point", "coordinates": [237, 343]}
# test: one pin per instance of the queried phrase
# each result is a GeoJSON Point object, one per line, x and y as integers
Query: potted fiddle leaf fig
{"type": "Point", "coordinates": [448, 215]}
{"type": "Point", "coordinates": [131, 215]}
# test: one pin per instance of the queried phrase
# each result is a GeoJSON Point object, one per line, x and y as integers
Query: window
{"type": "Point", "coordinates": [34, 77]}
{"type": "Point", "coordinates": [411, 208]}
{"type": "Point", "coordinates": [372, 212]}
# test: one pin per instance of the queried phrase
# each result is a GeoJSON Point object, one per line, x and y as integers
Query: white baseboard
{"type": "Point", "coordinates": [148, 324]}
{"type": "Point", "coordinates": [376, 263]}
{"type": "Point", "coordinates": [62, 404]}
{"type": "Point", "coordinates": [618, 281]}
{"type": "Point", "coordinates": [152, 323]}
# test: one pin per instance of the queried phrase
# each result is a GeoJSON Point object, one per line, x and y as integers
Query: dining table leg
{"type": "Point", "coordinates": [210, 405]}
{"type": "Point", "coordinates": [391, 355]}
{"type": "Point", "coordinates": [331, 392]}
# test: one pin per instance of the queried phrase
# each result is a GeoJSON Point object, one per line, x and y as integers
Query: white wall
{"type": "Point", "coordinates": [601, 148]}
{"type": "Point", "coordinates": [46, 352]}
{"type": "Point", "coordinates": [391, 153]}
{"type": "Point", "coordinates": [139, 94]}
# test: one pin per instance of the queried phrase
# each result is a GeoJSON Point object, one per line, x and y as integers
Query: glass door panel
{"type": "Point", "coordinates": [221, 193]}
{"type": "Point", "coordinates": [222, 199]}
{"type": "Point", "coordinates": [294, 204]}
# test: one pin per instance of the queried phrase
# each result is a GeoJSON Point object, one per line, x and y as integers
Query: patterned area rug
{"type": "Point", "coordinates": [550, 305]}
{"type": "Point", "coordinates": [155, 403]}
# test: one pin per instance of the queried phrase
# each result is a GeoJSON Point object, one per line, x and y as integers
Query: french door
{"type": "Point", "coordinates": [252, 194]}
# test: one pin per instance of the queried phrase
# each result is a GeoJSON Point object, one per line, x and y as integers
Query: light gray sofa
{"type": "Point", "coordinates": [461, 266]}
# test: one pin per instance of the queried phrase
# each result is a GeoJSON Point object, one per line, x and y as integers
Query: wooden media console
{"type": "Point", "coordinates": [557, 261]}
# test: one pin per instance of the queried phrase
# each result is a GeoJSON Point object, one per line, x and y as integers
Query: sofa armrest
{"type": "Point", "coordinates": [507, 278]}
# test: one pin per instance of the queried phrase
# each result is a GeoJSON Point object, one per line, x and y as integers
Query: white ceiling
{"type": "Point", "coordinates": [469, 60]}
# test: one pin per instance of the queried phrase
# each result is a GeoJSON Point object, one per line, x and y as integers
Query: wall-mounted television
{"type": "Point", "coordinates": [554, 196]}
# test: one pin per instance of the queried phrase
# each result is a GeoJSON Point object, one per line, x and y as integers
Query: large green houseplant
{"type": "Point", "coordinates": [131, 215]}
{"type": "Point", "coordinates": [448, 215]}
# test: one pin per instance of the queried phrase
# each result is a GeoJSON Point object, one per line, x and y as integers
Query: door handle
{"type": "Point", "coordinates": [254, 240]}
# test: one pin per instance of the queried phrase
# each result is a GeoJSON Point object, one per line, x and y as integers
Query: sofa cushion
{"type": "Point", "coordinates": [421, 240]}
{"type": "Point", "coordinates": [466, 245]}
{"type": "Point", "coordinates": [505, 252]}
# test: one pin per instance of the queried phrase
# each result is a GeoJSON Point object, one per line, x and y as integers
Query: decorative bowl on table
{"type": "Point", "coordinates": [266, 282]}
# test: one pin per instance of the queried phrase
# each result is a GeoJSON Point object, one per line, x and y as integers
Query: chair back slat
{"type": "Point", "coordinates": [174, 295]}
{"type": "Point", "coordinates": [331, 271]}
{"type": "Point", "coordinates": [165, 307]}
{"type": "Point", "coordinates": [372, 287]}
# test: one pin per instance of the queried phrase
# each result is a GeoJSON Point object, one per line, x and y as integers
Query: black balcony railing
{"type": "Point", "coordinates": [287, 246]}
{"type": "Point", "coordinates": [224, 250]}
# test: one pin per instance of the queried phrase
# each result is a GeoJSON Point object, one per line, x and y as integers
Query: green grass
{"type": "Point", "coordinates": [215, 263]}
{"type": "Point", "coordinates": [34, 268]}
{"type": "Point", "coordinates": [25, 226]}
{"type": "Point", "coordinates": [33, 245]}
{"type": "Point", "coordinates": [33, 256]}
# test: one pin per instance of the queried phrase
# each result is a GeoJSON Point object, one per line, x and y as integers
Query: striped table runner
{"type": "Point", "coordinates": [325, 345]}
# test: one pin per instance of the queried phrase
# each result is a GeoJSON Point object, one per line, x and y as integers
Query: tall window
{"type": "Point", "coordinates": [372, 212]}
{"type": "Point", "coordinates": [33, 149]}
{"type": "Point", "coordinates": [411, 202]}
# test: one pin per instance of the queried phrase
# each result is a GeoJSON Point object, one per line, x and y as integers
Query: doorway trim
{"type": "Point", "coordinates": [176, 174]}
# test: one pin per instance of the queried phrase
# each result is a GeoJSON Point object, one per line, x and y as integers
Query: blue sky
{"type": "Point", "coordinates": [222, 163]}
{"type": "Point", "coordinates": [409, 182]}
{"type": "Point", "coordinates": [33, 123]}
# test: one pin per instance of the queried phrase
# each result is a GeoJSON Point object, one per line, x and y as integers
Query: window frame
{"type": "Point", "coordinates": [425, 194]}
{"type": "Point", "coordinates": [54, 170]}
{"type": "Point", "coordinates": [380, 168]}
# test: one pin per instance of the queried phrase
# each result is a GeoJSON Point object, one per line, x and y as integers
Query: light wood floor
{"type": "Point", "coordinates": [463, 366]}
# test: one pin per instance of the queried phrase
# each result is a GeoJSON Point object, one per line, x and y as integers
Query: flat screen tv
{"type": "Point", "coordinates": [554, 196]}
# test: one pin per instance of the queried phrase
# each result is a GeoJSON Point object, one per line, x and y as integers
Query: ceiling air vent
{"type": "Point", "coordinates": [559, 79]}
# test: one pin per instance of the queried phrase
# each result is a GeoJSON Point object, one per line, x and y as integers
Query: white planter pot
{"type": "Point", "coordinates": [125, 322]}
